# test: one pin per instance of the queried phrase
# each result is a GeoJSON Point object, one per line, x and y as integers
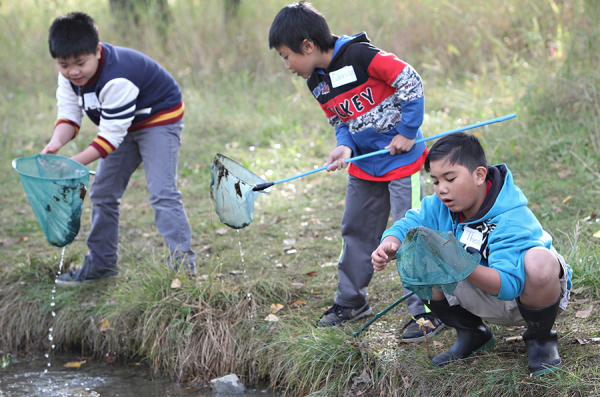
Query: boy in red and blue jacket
{"type": "Point", "coordinates": [374, 101]}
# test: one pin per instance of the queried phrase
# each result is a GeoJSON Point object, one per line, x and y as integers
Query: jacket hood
{"type": "Point", "coordinates": [343, 41]}
{"type": "Point", "coordinates": [503, 195]}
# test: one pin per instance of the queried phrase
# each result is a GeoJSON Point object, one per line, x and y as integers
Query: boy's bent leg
{"type": "Point", "coordinates": [405, 194]}
{"type": "Point", "coordinates": [108, 186]}
{"type": "Point", "coordinates": [539, 305]}
{"type": "Point", "coordinates": [159, 147]}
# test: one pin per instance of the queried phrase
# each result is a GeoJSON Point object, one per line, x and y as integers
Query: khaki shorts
{"type": "Point", "coordinates": [497, 311]}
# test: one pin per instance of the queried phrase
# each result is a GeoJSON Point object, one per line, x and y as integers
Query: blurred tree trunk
{"type": "Point", "coordinates": [129, 13]}
{"type": "Point", "coordinates": [231, 9]}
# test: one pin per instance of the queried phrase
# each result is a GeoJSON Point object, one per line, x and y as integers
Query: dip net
{"type": "Point", "coordinates": [55, 187]}
{"type": "Point", "coordinates": [433, 259]}
{"type": "Point", "coordinates": [231, 191]}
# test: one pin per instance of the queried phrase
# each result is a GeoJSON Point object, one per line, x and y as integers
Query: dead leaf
{"type": "Point", "coordinates": [311, 273]}
{"type": "Point", "coordinates": [406, 382]}
{"type": "Point", "coordinates": [581, 341]}
{"type": "Point", "coordinates": [514, 338]}
{"type": "Point", "coordinates": [514, 328]}
{"type": "Point", "coordinates": [534, 206]}
{"type": "Point", "coordinates": [581, 301]}
{"type": "Point", "coordinates": [275, 307]}
{"type": "Point", "coordinates": [126, 206]}
{"type": "Point", "coordinates": [589, 217]}
{"type": "Point", "coordinates": [289, 241]}
{"type": "Point", "coordinates": [221, 231]}
{"type": "Point", "coordinates": [74, 364]}
{"type": "Point", "coordinates": [437, 345]}
{"type": "Point", "coordinates": [134, 364]}
{"type": "Point", "coordinates": [299, 303]}
{"type": "Point", "coordinates": [308, 209]}
{"type": "Point", "coordinates": [297, 285]}
{"type": "Point", "coordinates": [271, 317]}
{"type": "Point", "coordinates": [205, 247]}
{"type": "Point", "coordinates": [577, 291]}
{"type": "Point", "coordinates": [104, 325]}
{"type": "Point", "coordinates": [236, 272]}
{"type": "Point", "coordinates": [563, 174]}
{"type": "Point", "coordinates": [597, 234]}
{"type": "Point", "coordinates": [569, 197]}
{"type": "Point", "coordinates": [176, 283]}
{"type": "Point", "coordinates": [584, 313]}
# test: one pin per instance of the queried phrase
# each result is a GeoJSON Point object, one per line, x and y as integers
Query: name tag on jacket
{"type": "Point", "coordinates": [342, 76]}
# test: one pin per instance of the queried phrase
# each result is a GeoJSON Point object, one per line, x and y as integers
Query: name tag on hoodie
{"type": "Point", "coordinates": [90, 100]}
{"type": "Point", "coordinates": [342, 76]}
{"type": "Point", "coordinates": [471, 238]}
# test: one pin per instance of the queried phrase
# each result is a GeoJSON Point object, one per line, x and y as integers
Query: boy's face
{"type": "Point", "coordinates": [459, 189]}
{"type": "Point", "coordinates": [301, 64]}
{"type": "Point", "coordinates": [79, 70]}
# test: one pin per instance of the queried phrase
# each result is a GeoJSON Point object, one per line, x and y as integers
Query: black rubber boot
{"type": "Point", "coordinates": [473, 335]}
{"type": "Point", "coordinates": [541, 341]}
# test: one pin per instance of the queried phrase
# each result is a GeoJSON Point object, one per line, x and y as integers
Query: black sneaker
{"type": "Point", "coordinates": [340, 315]}
{"type": "Point", "coordinates": [413, 333]}
{"type": "Point", "coordinates": [86, 275]}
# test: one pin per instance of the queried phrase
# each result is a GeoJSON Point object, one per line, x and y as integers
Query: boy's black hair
{"type": "Point", "coordinates": [298, 22]}
{"type": "Point", "coordinates": [458, 148]}
{"type": "Point", "coordinates": [73, 35]}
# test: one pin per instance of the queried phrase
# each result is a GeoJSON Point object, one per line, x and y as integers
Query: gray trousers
{"type": "Point", "coordinates": [365, 218]}
{"type": "Point", "coordinates": [158, 148]}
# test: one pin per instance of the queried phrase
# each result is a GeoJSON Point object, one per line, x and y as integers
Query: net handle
{"type": "Point", "coordinates": [263, 186]}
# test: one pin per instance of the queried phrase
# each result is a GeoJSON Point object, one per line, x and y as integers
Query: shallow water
{"type": "Point", "coordinates": [96, 380]}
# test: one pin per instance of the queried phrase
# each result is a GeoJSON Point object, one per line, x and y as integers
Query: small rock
{"type": "Point", "coordinates": [228, 384]}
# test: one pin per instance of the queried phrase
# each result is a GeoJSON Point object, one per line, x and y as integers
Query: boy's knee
{"type": "Point", "coordinates": [541, 266]}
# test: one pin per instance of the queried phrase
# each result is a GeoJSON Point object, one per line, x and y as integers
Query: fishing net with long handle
{"type": "Point", "coordinates": [234, 188]}
{"type": "Point", "coordinates": [429, 259]}
{"type": "Point", "coordinates": [55, 187]}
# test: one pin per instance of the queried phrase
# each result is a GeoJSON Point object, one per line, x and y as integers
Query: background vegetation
{"type": "Point", "coordinates": [479, 60]}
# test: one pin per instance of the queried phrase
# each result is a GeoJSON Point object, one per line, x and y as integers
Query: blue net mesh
{"type": "Point", "coordinates": [55, 187]}
{"type": "Point", "coordinates": [433, 259]}
{"type": "Point", "coordinates": [231, 191]}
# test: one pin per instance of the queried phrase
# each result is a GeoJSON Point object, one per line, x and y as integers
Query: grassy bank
{"type": "Point", "coordinates": [477, 61]}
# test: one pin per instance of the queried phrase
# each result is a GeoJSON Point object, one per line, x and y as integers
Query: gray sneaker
{"type": "Point", "coordinates": [413, 333]}
{"type": "Point", "coordinates": [340, 315]}
{"type": "Point", "coordinates": [86, 275]}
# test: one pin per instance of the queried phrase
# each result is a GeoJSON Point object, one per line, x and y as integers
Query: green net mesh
{"type": "Point", "coordinates": [55, 187]}
{"type": "Point", "coordinates": [231, 191]}
{"type": "Point", "coordinates": [433, 259]}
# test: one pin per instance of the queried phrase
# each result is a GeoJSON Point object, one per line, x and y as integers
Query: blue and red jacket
{"type": "Point", "coordinates": [369, 96]}
{"type": "Point", "coordinates": [129, 91]}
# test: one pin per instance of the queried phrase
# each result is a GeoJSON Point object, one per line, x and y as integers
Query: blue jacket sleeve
{"type": "Point", "coordinates": [412, 117]}
{"type": "Point", "coordinates": [343, 137]}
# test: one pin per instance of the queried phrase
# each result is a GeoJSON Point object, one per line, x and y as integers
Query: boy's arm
{"type": "Point", "coordinates": [409, 89]}
{"type": "Point", "coordinates": [118, 99]}
{"type": "Point", "coordinates": [87, 156]}
{"type": "Point", "coordinates": [63, 133]}
{"type": "Point", "coordinates": [385, 252]}
{"type": "Point", "coordinates": [486, 279]}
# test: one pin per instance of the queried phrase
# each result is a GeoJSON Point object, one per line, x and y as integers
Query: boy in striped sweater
{"type": "Point", "coordinates": [138, 108]}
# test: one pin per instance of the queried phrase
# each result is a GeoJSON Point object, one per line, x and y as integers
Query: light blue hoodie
{"type": "Point", "coordinates": [510, 229]}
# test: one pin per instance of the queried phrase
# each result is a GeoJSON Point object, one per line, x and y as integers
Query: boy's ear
{"type": "Point", "coordinates": [307, 47]}
{"type": "Point", "coordinates": [99, 50]}
{"type": "Point", "coordinates": [481, 175]}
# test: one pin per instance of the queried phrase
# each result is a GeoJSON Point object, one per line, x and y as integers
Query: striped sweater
{"type": "Point", "coordinates": [369, 96]}
{"type": "Point", "coordinates": [129, 91]}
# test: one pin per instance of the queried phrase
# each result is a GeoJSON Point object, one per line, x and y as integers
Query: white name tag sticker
{"type": "Point", "coordinates": [90, 100]}
{"type": "Point", "coordinates": [342, 76]}
{"type": "Point", "coordinates": [472, 238]}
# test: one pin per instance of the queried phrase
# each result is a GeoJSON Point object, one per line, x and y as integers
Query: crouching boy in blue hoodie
{"type": "Point", "coordinates": [521, 279]}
